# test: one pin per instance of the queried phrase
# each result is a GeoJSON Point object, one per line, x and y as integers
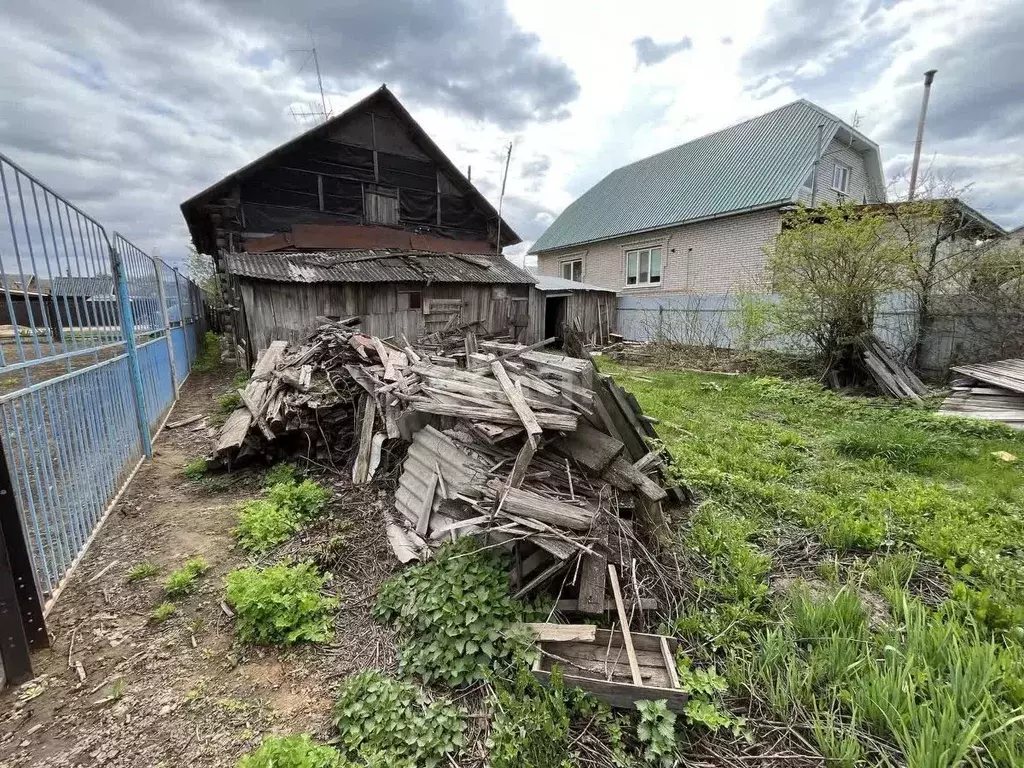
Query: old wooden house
{"type": "Point", "coordinates": [362, 215]}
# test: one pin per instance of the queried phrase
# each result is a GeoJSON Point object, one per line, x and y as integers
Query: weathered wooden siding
{"type": "Point", "coordinates": [595, 310]}
{"type": "Point", "coordinates": [288, 310]}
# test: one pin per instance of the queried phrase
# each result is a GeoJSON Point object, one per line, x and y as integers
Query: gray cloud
{"type": "Point", "coordinates": [649, 53]}
{"type": "Point", "coordinates": [128, 108]}
{"type": "Point", "coordinates": [536, 167]}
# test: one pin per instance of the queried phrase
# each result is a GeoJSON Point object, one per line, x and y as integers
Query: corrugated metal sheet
{"type": "Point", "coordinates": [376, 266]}
{"type": "Point", "coordinates": [751, 165]}
{"type": "Point", "coordinates": [547, 283]}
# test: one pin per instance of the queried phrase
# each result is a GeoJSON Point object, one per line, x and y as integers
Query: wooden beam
{"type": "Point", "coordinates": [518, 403]}
{"type": "Point", "coordinates": [563, 633]}
{"type": "Point", "coordinates": [627, 639]}
{"type": "Point", "coordinates": [593, 572]}
{"type": "Point", "coordinates": [523, 458]}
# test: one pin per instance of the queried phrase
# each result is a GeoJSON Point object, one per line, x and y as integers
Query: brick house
{"type": "Point", "coordinates": [694, 219]}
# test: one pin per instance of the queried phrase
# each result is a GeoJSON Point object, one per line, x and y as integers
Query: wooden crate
{"type": "Point", "coordinates": [588, 666]}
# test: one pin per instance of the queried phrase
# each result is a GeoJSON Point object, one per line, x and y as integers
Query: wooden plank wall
{"type": "Point", "coordinates": [289, 310]}
{"type": "Point", "coordinates": [582, 304]}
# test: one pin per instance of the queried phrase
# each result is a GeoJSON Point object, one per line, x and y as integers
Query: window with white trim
{"type": "Point", "coordinates": [643, 266]}
{"type": "Point", "coordinates": [573, 270]}
{"type": "Point", "coordinates": [841, 178]}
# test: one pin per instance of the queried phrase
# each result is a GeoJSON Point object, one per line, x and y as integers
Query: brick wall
{"type": "Point", "coordinates": [711, 257]}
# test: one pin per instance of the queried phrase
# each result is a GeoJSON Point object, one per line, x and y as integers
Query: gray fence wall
{"type": "Point", "coordinates": [721, 321]}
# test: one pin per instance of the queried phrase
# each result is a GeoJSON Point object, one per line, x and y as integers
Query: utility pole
{"type": "Point", "coordinates": [928, 77]}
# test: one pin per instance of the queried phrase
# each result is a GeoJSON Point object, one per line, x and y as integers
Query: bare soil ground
{"type": "Point", "coordinates": [183, 692]}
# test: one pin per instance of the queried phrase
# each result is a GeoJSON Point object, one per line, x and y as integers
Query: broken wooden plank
{"type": "Point", "coordinates": [518, 402]}
{"type": "Point", "coordinates": [523, 458]}
{"type": "Point", "coordinates": [532, 505]}
{"type": "Point", "coordinates": [585, 633]}
{"type": "Point", "coordinates": [428, 504]}
{"type": "Point", "coordinates": [593, 572]}
{"type": "Point", "coordinates": [627, 639]}
{"type": "Point", "coordinates": [233, 433]}
{"type": "Point", "coordinates": [572, 605]}
{"type": "Point", "coordinates": [626, 476]}
{"type": "Point", "coordinates": [367, 416]}
{"type": "Point", "coordinates": [186, 422]}
{"type": "Point", "coordinates": [590, 447]}
{"type": "Point", "coordinates": [557, 421]}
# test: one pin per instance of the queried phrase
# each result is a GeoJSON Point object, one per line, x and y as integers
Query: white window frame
{"type": "Point", "coordinates": [570, 264]}
{"type": "Point", "coordinates": [639, 254]}
{"type": "Point", "coordinates": [847, 172]}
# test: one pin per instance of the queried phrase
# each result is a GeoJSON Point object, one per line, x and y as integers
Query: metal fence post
{"type": "Point", "coordinates": [181, 316]}
{"type": "Point", "coordinates": [175, 378]}
{"type": "Point", "coordinates": [21, 614]}
{"type": "Point", "coordinates": [128, 331]}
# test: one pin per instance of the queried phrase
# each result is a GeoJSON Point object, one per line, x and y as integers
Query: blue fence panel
{"type": "Point", "coordinates": [182, 364]}
{"type": "Point", "coordinates": [69, 443]}
{"type": "Point", "coordinates": [94, 335]}
{"type": "Point", "coordinates": [157, 380]}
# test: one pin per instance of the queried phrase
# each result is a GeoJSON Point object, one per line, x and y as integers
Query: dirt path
{"type": "Point", "coordinates": [182, 692]}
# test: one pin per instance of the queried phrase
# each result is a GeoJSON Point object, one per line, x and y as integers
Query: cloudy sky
{"type": "Point", "coordinates": [129, 107]}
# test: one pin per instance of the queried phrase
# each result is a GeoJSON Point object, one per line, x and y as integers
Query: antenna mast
{"type": "Point", "coordinates": [320, 113]}
{"type": "Point", "coordinates": [501, 197]}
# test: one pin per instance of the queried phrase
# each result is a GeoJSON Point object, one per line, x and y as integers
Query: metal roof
{"type": "Point", "coordinates": [756, 164]}
{"type": "Point", "coordinates": [548, 283]}
{"type": "Point", "coordinates": [66, 285]}
{"type": "Point", "coordinates": [376, 266]}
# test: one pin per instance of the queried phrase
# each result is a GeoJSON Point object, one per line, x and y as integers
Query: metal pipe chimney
{"type": "Point", "coordinates": [928, 77]}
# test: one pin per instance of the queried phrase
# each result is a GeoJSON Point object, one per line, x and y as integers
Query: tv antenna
{"type": "Point", "coordinates": [317, 112]}
{"type": "Point", "coordinates": [501, 197]}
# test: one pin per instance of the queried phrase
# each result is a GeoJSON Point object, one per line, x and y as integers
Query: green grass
{"type": "Point", "coordinates": [195, 468]}
{"type": "Point", "coordinates": [890, 487]}
{"type": "Point", "coordinates": [209, 355]}
{"type": "Point", "coordinates": [163, 612]}
{"type": "Point", "coordinates": [183, 580]}
{"type": "Point", "coordinates": [142, 571]}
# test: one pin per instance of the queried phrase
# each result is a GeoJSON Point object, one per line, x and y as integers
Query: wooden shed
{"type": "Point", "coordinates": [392, 292]}
{"type": "Point", "coordinates": [556, 302]}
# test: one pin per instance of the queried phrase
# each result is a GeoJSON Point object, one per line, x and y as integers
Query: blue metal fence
{"type": "Point", "coordinates": [98, 338]}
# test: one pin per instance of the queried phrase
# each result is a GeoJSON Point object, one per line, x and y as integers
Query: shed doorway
{"type": "Point", "coordinates": [554, 317]}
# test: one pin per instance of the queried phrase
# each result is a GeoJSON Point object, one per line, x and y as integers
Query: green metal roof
{"type": "Point", "coordinates": [756, 164]}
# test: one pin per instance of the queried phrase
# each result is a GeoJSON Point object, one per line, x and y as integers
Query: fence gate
{"type": "Point", "coordinates": [96, 337]}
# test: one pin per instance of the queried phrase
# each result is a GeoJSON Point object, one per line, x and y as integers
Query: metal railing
{"type": "Point", "coordinates": [96, 338]}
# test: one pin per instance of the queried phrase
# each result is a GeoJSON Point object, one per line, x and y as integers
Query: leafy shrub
{"type": "Point", "coordinates": [183, 580]}
{"type": "Point", "coordinates": [657, 733]}
{"type": "Point", "coordinates": [195, 469]}
{"type": "Point", "coordinates": [454, 616]}
{"type": "Point", "coordinates": [385, 721]}
{"type": "Point", "coordinates": [282, 604]}
{"type": "Point", "coordinates": [263, 525]}
{"type": "Point", "coordinates": [282, 472]}
{"type": "Point", "coordinates": [142, 571]}
{"type": "Point", "coordinates": [304, 500]}
{"type": "Point", "coordinates": [704, 706]}
{"type": "Point", "coordinates": [162, 612]}
{"type": "Point", "coordinates": [292, 752]}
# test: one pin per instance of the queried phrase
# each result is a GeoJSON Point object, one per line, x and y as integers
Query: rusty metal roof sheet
{"type": "Point", "coordinates": [376, 266]}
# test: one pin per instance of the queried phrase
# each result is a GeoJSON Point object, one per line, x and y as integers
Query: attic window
{"type": "Point", "coordinates": [841, 178]}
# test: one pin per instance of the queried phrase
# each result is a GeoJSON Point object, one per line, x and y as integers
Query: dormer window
{"type": "Point", "coordinates": [841, 178]}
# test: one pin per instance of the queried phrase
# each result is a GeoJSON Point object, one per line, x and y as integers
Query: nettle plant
{"type": "Point", "coordinates": [282, 604]}
{"type": "Point", "coordinates": [387, 722]}
{"type": "Point", "coordinates": [265, 523]}
{"type": "Point", "coordinates": [456, 621]}
{"type": "Point", "coordinates": [656, 731]}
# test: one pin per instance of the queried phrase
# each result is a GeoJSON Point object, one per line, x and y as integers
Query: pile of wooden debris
{"type": "Point", "coordinates": [993, 391]}
{"type": "Point", "coordinates": [506, 442]}
{"type": "Point", "coordinates": [892, 377]}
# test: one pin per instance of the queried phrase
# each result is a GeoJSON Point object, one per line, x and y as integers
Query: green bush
{"type": "Point", "coordinates": [282, 604]}
{"type": "Point", "coordinates": [384, 721]}
{"type": "Point", "coordinates": [305, 500]}
{"type": "Point", "coordinates": [282, 472]}
{"type": "Point", "coordinates": [454, 616]}
{"type": "Point", "coordinates": [263, 525]}
{"type": "Point", "coordinates": [298, 751]}
{"type": "Point", "coordinates": [209, 356]}
{"type": "Point", "coordinates": [183, 580]}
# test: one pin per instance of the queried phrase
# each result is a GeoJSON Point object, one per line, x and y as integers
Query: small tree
{"type": "Point", "coordinates": [203, 273]}
{"type": "Point", "coordinates": [829, 267]}
{"type": "Point", "coordinates": [991, 301]}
